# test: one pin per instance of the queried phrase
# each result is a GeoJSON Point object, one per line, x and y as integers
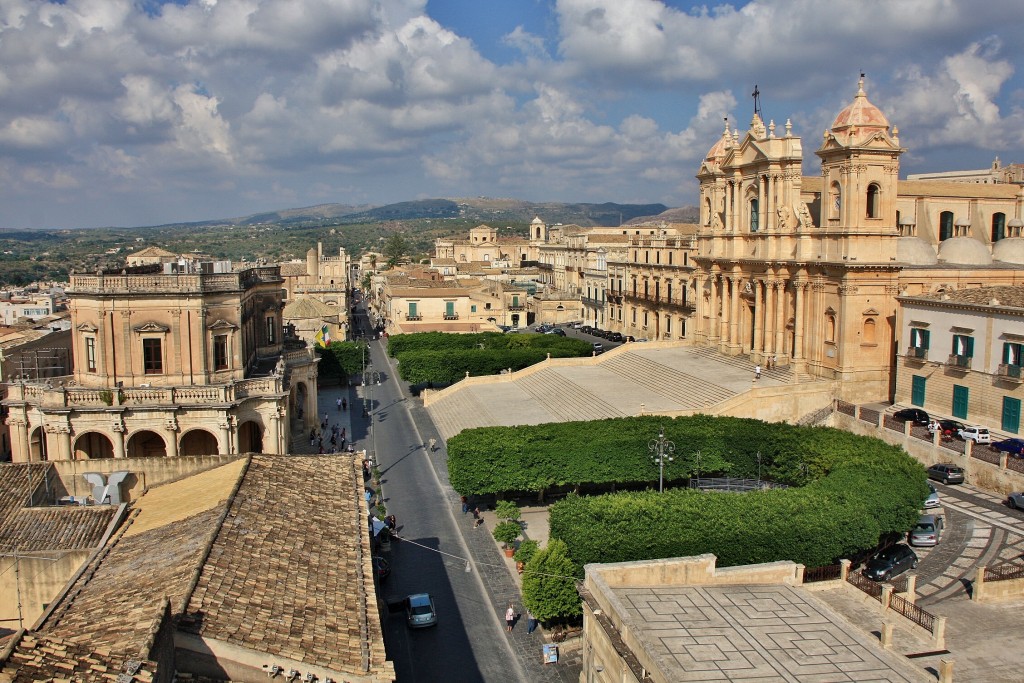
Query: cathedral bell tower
{"type": "Point", "coordinates": [860, 168]}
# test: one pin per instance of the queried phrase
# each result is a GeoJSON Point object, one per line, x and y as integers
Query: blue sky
{"type": "Point", "coordinates": [137, 112]}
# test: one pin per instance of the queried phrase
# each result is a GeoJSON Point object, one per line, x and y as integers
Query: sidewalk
{"type": "Point", "coordinates": [496, 571]}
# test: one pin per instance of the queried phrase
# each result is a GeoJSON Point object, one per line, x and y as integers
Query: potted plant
{"type": "Point", "coordinates": [507, 510]}
{"type": "Point", "coordinates": [525, 552]}
{"type": "Point", "coordinates": [506, 533]}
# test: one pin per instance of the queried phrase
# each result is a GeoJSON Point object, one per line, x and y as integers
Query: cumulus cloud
{"type": "Point", "coordinates": [283, 100]}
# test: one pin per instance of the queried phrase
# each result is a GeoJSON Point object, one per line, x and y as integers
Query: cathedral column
{"type": "Point", "coordinates": [20, 450]}
{"type": "Point", "coordinates": [758, 317]}
{"type": "Point", "coordinates": [727, 201]}
{"type": "Point", "coordinates": [275, 433]}
{"type": "Point", "coordinates": [698, 306]}
{"type": "Point", "coordinates": [734, 323]}
{"type": "Point", "coordinates": [723, 334]}
{"type": "Point", "coordinates": [713, 312]}
{"type": "Point", "coordinates": [65, 441]}
{"type": "Point", "coordinates": [798, 319]}
{"type": "Point", "coordinates": [780, 319]}
{"type": "Point", "coordinates": [771, 220]}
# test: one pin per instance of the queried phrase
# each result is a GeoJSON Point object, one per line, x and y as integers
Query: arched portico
{"type": "Point", "coordinates": [146, 444]}
{"type": "Point", "coordinates": [37, 445]}
{"type": "Point", "coordinates": [250, 437]}
{"type": "Point", "coordinates": [92, 446]}
{"type": "Point", "coordinates": [198, 442]}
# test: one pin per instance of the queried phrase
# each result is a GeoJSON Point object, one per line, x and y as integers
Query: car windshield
{"type": "Point", "coordinates": [955, 470]}
{"type": "Point", "coordinates": [421, 609]}
{"type": "Point", "coordinates": [925, 527]}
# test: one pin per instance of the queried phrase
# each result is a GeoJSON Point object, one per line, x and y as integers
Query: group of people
{"type": "Point", "coordinates": [769, 364]}
{"type": "Point", "coordinates": [510, 619]}
{"type": "Point", "coordinates": [335, 434]}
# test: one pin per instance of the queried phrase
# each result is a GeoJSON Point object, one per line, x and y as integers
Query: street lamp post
{"type": "Point", "coordinates": [661, 448]}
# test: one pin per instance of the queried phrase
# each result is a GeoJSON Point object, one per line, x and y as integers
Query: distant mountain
{"type": "Point", "coordinates": [682, 214]}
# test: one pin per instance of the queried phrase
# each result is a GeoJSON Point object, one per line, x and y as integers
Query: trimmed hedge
{"type": "Point", "coordinates": [341, 359]}
{"type": "Point", "coordinates": [446, 358]}
{"type": "Point", "coordinates": [854, 489]}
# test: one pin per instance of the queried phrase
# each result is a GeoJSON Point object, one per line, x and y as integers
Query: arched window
{"type": "Point", "coordinates": [872, 205]}
{"type": "Point", "coordinates": [945, 225]}
{"type": "Point", "coordinates": [830, 328]}
{"type": "Point", "coordinates": [835, 200]}
{"type": "Point", "coordinates": [869, 331]}
{"type": "Point", "coordinates": [998, 226]}
{"type": "Point", "coordinates": [753, 215]}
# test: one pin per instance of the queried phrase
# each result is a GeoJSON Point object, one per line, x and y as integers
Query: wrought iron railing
{"type": "Point", "coordinates": [904, 607]}
{"type": "Point", "coordinates": [865, 584]}
{"type": "Point", "coordinates": [1004, 572]}
{"type": "Point", "coordinates": [827, 573]}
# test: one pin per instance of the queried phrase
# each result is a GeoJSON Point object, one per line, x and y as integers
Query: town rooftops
{"type": "Point", "coordinates": [1009, 296]}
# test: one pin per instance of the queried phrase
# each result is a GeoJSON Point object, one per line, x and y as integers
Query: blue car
{"type": "Point", "coordinates": [1014, 447]}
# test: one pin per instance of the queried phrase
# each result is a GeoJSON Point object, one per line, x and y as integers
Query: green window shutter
{"type": "Point", "coordinates": [449, 308]}
{"type": "Point", "coordinates": [970, 347]}
{"type": "Point", "coordinates": [925, 334]}
{"type": "Point", "coordinates": [412, 309]}
{"type": "Point", "coordinates": [1006, 353]}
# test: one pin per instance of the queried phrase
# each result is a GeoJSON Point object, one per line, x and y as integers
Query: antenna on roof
{"type": "Point", "coordinates": [757, 101]}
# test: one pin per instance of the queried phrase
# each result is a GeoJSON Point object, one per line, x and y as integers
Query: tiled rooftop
{"type": "Point", "coordinates": [289, 573]}
{"type": "Point", "coordinates": [56, 528]}
{"type": "Point", "coordinates": [1008, 296]}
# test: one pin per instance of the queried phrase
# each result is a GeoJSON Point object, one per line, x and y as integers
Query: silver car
{"type": "Point", "coordinates": [927, 532]}
{"type": "Point", "coordinates": [1016, 500]}
{"type": "Point", "coordinates": [932, 501]}
{"type": "Point", "coordinates": [419, 610]}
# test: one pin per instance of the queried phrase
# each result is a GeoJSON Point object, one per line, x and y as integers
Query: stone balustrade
{"type": "Point", "coordinates": [89, 397]}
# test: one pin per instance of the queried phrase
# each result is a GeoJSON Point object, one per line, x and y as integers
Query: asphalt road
{"type": "Point", "coordinates": [469, 643]}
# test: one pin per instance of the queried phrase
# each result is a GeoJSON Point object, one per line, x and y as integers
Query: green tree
{"type": "Point", "coordinates": [549, 583]}
{"type": "Point", "coordinates": [341, 360]}
{"type": "Point", "coordinates": [395, 247]}
{"type": "Point", "coordinates": [507, 532]}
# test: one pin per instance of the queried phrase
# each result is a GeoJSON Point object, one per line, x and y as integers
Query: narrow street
{"type": "Point", "coordinates": [469, 643]}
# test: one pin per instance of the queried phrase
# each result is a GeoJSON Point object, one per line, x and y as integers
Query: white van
{"type": "Point", "coordinates": [976, 434]}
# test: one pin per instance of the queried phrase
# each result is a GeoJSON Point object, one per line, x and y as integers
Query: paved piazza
{"type": "Point", "coordinates": [755, 634]}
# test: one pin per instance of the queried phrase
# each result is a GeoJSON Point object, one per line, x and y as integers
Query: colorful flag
{"type": "Point", "coordinates": [323, 337]}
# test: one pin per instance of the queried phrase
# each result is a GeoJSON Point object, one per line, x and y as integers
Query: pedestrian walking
{"type": "Point", "coordinates": [320, 450]}
{"type": "Point", "coordinates": [531, 622]}
{"type": "Point", "coordinates": [757, 372]}
{"type": "Point", "coordinates": [342, 445]}
{"type": "Point", "coordinates": [775, 362]}
{"type": "Point", "coordinates": [327, 418]}
{"type": "Point", "coordinates": [339, 404]}
{"type": "Point", "coordinates": [344, 404]}
{"type": "Point", "coordinates": [391, 521]}
{"type": "Point", "coordinates": [432, 443]}
{"type": "Point", "coordinates": [342, 433]}
{"type": "Point", "coordinates": [465, 504]}
{"type": "Point", "coordinates": [334, 442]}
{"type": "Point", "coordinates": [476, 513]}
{"type": "Point", "coordinates": [510, 617]}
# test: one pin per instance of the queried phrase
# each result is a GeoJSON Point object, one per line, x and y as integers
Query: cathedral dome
{"type": "Point", "coordinates": [860, 114]}
{"type": "Point", "coordinates": [1009, 250]}
{"type": "Point", "coordinates": [965, 251]}
{"type": "Point", "coordinates": [718, 150]}
{"type": "Point", "coordinates": [915, 251]}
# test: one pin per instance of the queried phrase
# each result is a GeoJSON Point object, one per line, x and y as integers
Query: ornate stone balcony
{"type": "Point", "coordinates": [179, 283]}
{"type": "Point", "coordinates": [1010, 372]}
{"type": "Point", "coordinates": [958, 362]}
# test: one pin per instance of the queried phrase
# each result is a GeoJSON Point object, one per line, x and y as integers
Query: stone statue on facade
{"type": "Point", "coordinates": [787, 219]}
{"type": "Point", "coordinates": [806, 222]}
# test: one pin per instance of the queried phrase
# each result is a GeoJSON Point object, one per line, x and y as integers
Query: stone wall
{"type": "Point", "coordinates": [146, 472]}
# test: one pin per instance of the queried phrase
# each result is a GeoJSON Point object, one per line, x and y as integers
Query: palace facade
{"type": "Point", "coordinates": [170, 359]}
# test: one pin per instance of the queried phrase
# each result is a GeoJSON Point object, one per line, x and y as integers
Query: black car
{"type": "Point", "coordinates": [891, 562]}
{"type": "Point", "coordinates": [947, 473]}
{"type": "Point", "coordinates": [615, 337]}
{"type": "Point", "coordinates": [915, 415]}
{"type": "Point", "coordinates": [587, 329]}
{"type": "Point", "coordinates": [381, 567]}
{"type": "Point", "coordinates": [1014, 447]}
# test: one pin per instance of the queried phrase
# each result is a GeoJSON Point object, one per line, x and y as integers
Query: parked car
{"type": "Point", "coordinates": [598, 348]}
{"type": "Point", "coordinates": [928, 531]}
{"type": "Point", "coordinates": [629, 338]}
{"type": "Point", "coordinates": [948, 428]}
{"type": "Point", "coordinates": [915, 415]}
{"type": "Point", "coordinates": [932, 501]}
{"type": "Point", "coordinates": [381, 567]}
{"type": "Point", "coordinates": [586, 329]}
{"type": "Point", "coordinates": [615, 336]}
{"type": "Point", "coordinates": [891, 562]}
{"type": "Point", "coordinates": [1016, 500]}
{"type": "Point", "coordinates": [1014, 447]}
{"type": "Point", "coordinates": [556, 330]}
{"type": "Point", "coordinates": [976, 434]}
{"type": "Point", "coordinates": [947, 473]}
{"type": "Point", "coordinates": [419, 610]}
{"type": "Point", "coordinates": [577, 325]}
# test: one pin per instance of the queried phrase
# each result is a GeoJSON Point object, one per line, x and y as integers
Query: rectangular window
{"type": "Point", "coordinates": [270, 330]}
{"type": "Point", "coordinates": [472, 309]}
{"type": "Point", "coordinates": [634, 317]}
{"type": "Point", "coordinates": [919, 338]}
{"type": "Point", "coordinates": [449, 308]}
{"type": "Point", "coordinates": [90, 354]}
{"type": "Point", "coordinates": [152, 357]}
{"type": "Point", "coordinates": [220, 352]}
{"type": "Point", "coordinates": [668, 324]}
{"type": "Point", "coordinates": [963, 345]}
{"type": "Point", "coordinates": [412, 309]}
{"type": "Point", "coordinates": [1012, 353]}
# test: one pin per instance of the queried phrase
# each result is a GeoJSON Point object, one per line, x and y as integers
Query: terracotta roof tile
{"type": "Point", "coordinates": [1009, 296]}
{"type": "Point", "coordinates": [302, 518]}
{"type": "Point", "coordinates": [56, 528]}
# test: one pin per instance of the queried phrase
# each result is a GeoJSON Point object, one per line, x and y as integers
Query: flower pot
{"type": "Point", "coordinates": [509, 552]}
{"type": "Point", "coordinates": [519, 567]}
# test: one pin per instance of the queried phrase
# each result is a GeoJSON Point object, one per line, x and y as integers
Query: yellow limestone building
{"type": "Point", "coordinates": [806, 270]}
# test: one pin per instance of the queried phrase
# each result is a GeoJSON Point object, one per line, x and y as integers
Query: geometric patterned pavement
{"type": "Point", "coordinates": [755, 634]}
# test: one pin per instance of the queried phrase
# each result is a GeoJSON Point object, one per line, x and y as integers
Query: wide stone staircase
{"type": "Point", "coordinates": [782, 374]}
{"type": "Point", "coordinates": [566, 400]}
{"type": "Point", "coordinates": [689, 391]}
